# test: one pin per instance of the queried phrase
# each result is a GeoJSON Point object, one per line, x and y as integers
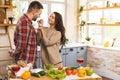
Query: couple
{"type": "Point", "coordinates": [51, 38]}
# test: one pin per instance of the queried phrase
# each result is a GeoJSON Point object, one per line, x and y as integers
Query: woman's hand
{"type": "Point", "coordinates": [41, 29]}
{"type": "Point", "coordinates": [40, 22]}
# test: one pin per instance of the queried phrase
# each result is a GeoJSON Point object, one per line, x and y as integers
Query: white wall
{"type": "Point", "coordinates": [71, 27]}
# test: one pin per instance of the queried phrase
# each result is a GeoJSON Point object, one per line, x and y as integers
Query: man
{"type": "Point", "coordinates": [25, 35]}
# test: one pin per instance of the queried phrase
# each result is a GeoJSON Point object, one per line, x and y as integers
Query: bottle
{"type": "Point", "coordinates": [10, 2]}
{"type": "Point", "coordinates": [93, 42]}
{"type": "Point", "coordinates": [108, 4]}
{"type": "Point", "coordinates": [7, 2]}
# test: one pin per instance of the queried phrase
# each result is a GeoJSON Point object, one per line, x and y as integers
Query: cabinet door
{"type": "Point", "coordinates": [39, 61]}
{"type": "Point", "coordinates": [81, 52]}
{"type": "Point", "coordinates": [63, 53]}
{"type": "Point", "coordinates": [71, 57]}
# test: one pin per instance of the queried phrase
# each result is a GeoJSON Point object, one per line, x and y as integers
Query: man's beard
{"type": "Point", "coordinates": [34, 18]}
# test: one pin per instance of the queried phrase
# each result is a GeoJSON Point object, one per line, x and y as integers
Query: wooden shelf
{"type": "Point", "coordinates": [6, 60]}
{"type": "Point", "coordinates": [103, 25]}
{"type": "Point", "coordinates": [101, 8]}
{"type": "Point", "coordinates": [4, 46]}
{"type": "Point", "coordinates": [7, 6]}
{"type": "Point", "coordinates": [2, 25]}
{"type": "Point", "coordinates": [3, 33]}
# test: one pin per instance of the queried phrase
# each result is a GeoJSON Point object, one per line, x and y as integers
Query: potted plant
{"type": "Point", "coordinates": [88, 38]}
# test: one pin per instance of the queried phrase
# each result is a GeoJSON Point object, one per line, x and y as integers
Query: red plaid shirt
{"type": "Point", "coordinates": [25, 40]}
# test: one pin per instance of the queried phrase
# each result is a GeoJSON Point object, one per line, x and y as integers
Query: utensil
{"type": "Point", "coordinates": [114, 39]}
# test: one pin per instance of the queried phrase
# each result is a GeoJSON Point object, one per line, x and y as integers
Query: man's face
{"type": "Point", "coordinates": [36, 14]}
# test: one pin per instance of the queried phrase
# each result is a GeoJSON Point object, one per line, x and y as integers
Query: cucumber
{"type": "Point", "coordinates": [35, 74]}
{"type": "Point", "coordinates": [42, 73]}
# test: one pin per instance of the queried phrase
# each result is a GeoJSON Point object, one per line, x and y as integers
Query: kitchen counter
{"type": "Point", "coordinates": [102, 47]}
{"type": "Point", "coordinates": [72, 45]}
{"type": "Point", "coordinates": [71, 77]}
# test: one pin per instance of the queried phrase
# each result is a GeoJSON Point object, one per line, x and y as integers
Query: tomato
{"type": "Point", "coordinates": [74, 71]}
{"type": "Point", "coordinates": [60, 67]}
{"type": "Point", "coordinates": [68, 68]}
{"type": "Point", "coordinates": [68, 72]}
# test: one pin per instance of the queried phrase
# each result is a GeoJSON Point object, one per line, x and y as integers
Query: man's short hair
{"type": "Point", "coordinates": [34, 5]}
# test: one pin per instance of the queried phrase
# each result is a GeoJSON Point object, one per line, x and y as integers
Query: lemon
{"type": "Point", "coordinates": [106, 44]}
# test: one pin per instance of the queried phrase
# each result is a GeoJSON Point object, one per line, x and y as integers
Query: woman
{"type": "Point", "coordinates": [51, 38]}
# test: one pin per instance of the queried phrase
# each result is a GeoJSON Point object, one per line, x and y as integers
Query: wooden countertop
{"type": "Point", "coordinates": [71, 77]}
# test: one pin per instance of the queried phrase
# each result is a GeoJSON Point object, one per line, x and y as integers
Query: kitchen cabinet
{"type": "Point", "coordinates": [63, 56]}
{"type": "Point", "coordinates": [39, 61]}
{"type": "Point", "coordinates": [70, 55]}
{"type": "Point", "coordinates": [81, 52]}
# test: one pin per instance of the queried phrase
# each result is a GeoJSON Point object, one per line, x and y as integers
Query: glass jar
{"type": "Point", "coordinates": [0, 2]}
{"type": "Point", "coordinates": [7, 2]}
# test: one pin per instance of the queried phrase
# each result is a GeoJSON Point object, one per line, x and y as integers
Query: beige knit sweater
{"type": "Point", "coordinates": [50, 46]}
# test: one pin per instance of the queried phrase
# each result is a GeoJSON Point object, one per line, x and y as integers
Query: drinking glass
{"type": "Point", "coordinates": [80, 61]}
{"type": "Point", "coordinates": [15, 69]}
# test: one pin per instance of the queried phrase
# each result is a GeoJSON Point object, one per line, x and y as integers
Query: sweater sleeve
{"type": "Point", "coordinates": [38, 36]}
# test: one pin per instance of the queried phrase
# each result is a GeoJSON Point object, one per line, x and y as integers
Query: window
{"type": "Point", "coordinates": [49, 7]}
{"type": "Point", "coordinates": [21, 7]}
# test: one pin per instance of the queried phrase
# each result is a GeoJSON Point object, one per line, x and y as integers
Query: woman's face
{"type": "Point", "coordinates": [51, 19]}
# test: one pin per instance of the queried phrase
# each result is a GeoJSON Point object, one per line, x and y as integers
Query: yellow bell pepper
{"type": "Point", "coordinates": [81, 73]}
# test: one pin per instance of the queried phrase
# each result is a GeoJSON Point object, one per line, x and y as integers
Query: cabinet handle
{"type": "Point", "coordinates": [77, 52]}
{"type": "Point", "coordinates": [64, 53]}
{"type": "Point", "coordinates": [60, 51]}
{"type": "Point", "coordinates": [82, 48]}
{"type": "Point", "coordinates": [71, 49]}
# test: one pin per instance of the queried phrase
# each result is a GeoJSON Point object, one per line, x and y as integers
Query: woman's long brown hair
{"type": "Point", "coordinates": [60, 27]}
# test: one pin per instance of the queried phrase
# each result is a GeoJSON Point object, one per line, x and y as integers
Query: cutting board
{"type": "Point", "coordinates": [48, 78]}
{"type": "Point", "coordinates": [41, 78]}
